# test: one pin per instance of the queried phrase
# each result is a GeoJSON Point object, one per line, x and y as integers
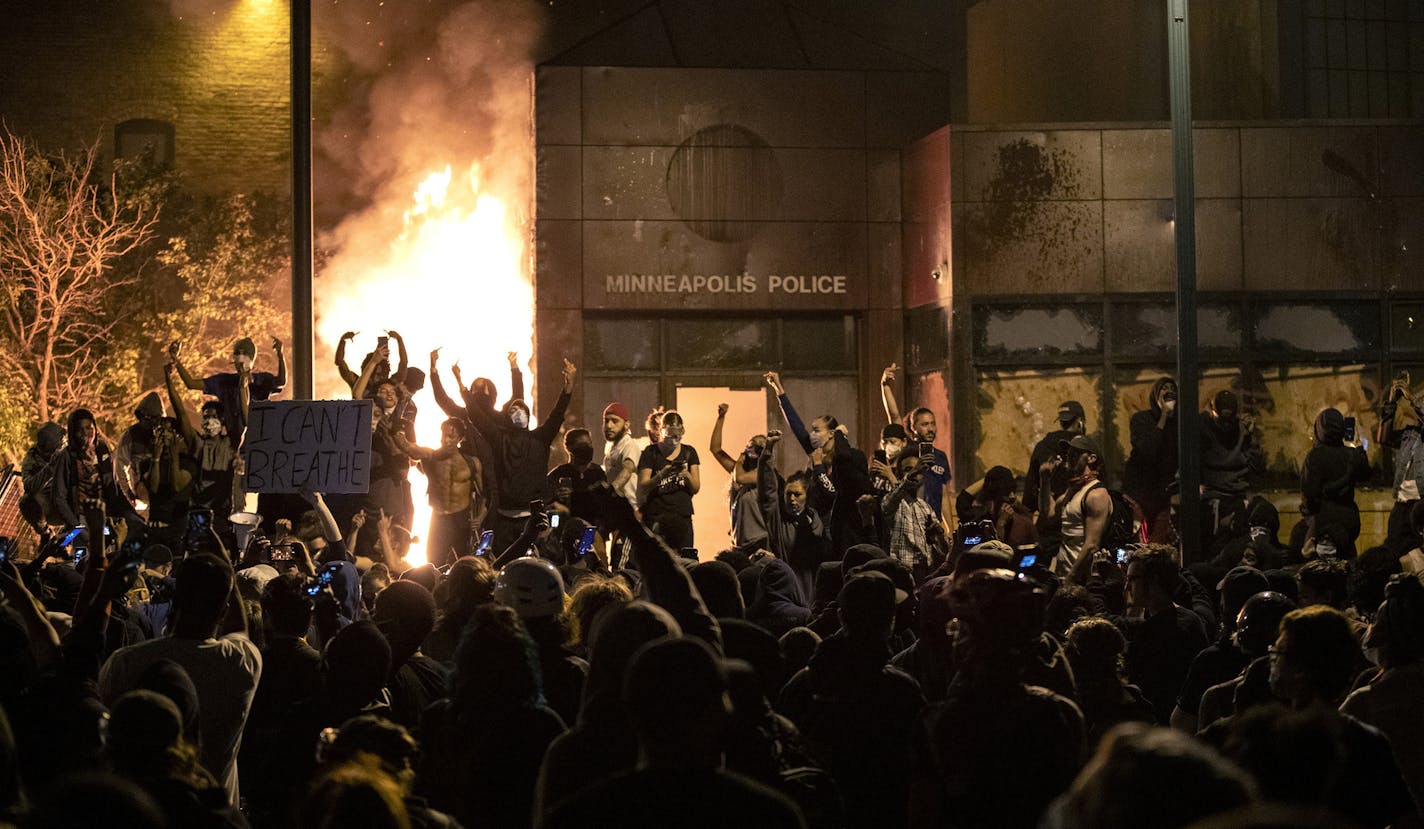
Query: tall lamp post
{"type": "Point", "coordinates": [1188, 371]}
{"type": "Point", "coordinates": [302, 263]}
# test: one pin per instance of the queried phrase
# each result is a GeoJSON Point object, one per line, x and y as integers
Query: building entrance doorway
{"type": "Point", "coordinates": [746, 416]}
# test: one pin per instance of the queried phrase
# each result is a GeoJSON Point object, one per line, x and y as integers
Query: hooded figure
{"type": "Point", "coordinates": [37, 474]}
{"type": "Point", "coordinates": [780, 604]}
{"type": "Point", "coordinates": [1152, 464]}
{"type": "Point", "coordinates": [135, 450]}
{"type": "Point", "coordinates": [1229, 449]}
{"type": "Point", "coordinates": [1328, 477]}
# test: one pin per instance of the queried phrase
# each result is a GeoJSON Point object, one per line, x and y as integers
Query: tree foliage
{"type": "Point", "coordinates": [159, 263]}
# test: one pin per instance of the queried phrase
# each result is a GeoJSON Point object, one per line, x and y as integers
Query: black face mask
{"type": "Point", "coordinates": [581, 455]}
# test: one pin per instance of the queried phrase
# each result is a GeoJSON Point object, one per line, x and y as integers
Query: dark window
{"type": "Point", "coordinates": [721, 343]}
{"type": "Point", "coordinates": [141, 139]}
{"type": "Point", "coordinates": [621, 343]}
{"type": "Point", "coordinates": [1406, 321]}
{"type": "Point", "coordinates": [818, 344]}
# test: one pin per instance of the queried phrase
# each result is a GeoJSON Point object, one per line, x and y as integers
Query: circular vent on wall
{"type": "Point", "coordinates": [722, 180]}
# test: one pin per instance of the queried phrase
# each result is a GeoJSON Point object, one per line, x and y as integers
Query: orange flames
{"type": "Point", "coordinates": [455, 276]}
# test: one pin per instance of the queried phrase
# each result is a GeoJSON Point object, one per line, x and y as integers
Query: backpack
{"type": "Point", "coordinates": [1127, 525]}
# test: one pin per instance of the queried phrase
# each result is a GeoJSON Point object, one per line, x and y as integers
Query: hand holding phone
{"type": "Point", "coordinates": [486, 539]}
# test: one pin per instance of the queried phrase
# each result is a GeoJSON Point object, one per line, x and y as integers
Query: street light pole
{"type": "Point", "coordinates": [302, 262]}
{"type": "Point", "coordinates": [1188, 371]}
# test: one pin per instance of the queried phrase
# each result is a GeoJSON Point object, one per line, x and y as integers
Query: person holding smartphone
{"type": "Point", "coordinates": [1400, 429]}
{"type": "Point", "coordinates": [1329, 475]}
{"type": "Point", "coordinates": [669, 474]}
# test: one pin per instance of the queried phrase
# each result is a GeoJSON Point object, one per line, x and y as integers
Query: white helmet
{"type": "Point", "coordinates": [532, 586]}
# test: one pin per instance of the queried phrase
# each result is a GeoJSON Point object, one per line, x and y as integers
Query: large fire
{"type": "Point", "coordinates": [455, 276]}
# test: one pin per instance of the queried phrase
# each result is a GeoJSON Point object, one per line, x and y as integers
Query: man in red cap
{"type": "Point", "coordinates": [620, 454]}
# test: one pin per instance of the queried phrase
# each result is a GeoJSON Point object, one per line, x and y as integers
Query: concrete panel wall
{"type": "Point", "coordinates": [1304, 206]}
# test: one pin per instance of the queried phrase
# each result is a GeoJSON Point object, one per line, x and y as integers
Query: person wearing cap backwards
{"type": "Point", "coordinates": [1072, 422]}
{"type": "Point", "coordinates": [1152, 464]}
{"type": "Point", "coordinates": [1083, 508]}
{"type": "Point", "coordinates": [261, 385]}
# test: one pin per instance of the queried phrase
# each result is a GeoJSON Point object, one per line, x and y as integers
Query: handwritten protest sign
{"type": "Point", "coordinates": [321, 444]}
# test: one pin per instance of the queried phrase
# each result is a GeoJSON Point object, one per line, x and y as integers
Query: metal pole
{"type": "Point", "coordinates": [1188, 372]}
{"type": "Point", "coordinates": [302, 265]}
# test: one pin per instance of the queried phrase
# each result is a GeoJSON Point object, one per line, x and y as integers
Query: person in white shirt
{"type": "Point", "coordinates": [209, 641]}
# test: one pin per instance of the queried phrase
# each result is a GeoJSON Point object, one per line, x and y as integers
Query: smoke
{"type": "Point", "coordinates": [423, 86]}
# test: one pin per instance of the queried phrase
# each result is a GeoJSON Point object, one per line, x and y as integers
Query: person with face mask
{"type": "Point", "coordinates": [748, 524]}
{"type": "Point", "coordinates": [1152, 464]}
{"type": "Point", "coordinates": [211, 446]}
{"type": "Point", "coordinates": [1230, 452]}
{"type": "Point", "coordinates": [572, 483]}
{"type": "Point", "coordinates": [519, 454]}
{"type": "Point", "coordinates": [134, 453]}
{"type": "Point", "coordinates": [1328, 478]}
{"type": "Point", "coordinates": [893, 439]}
{"type": "Point", "coordinates": [390, 465]}
{"type": "Point", "coordinates": [669, 474]}
{"type": "Point", "coordinates": [261, 385]}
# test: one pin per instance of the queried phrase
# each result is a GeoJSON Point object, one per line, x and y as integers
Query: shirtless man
{"type": "Point", "coordinates": [457, 502]}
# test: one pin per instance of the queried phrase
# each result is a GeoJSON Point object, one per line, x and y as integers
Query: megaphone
{"type": "Point", "coordinates": [244, 524]}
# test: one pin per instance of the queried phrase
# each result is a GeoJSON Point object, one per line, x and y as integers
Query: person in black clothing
{"type": "Point", "coordinates": [856, 712]}
{"type": "Point", "coordinates": [484, 743]}
{"type": "Point", "coordinates": [1328, 477]}
{"type": "Point", "coordinates": [1230, 452]}
{"type": "Point", "coordinates": [997, 750]}
{"type": "Point", "coordinates": [84, 485]}
{"type": "Point", "coordinates": [1094, 647]}
{"type": "Point", "coordinates": [1167, 637]}
{"type": "Point", "coordinates": [405, 614]}
{"type": "Point", "coordinates": [572, 482]}
{"type": "Point", "coordinates": [1223, 659]}
{"type": "Point", "coordinates": [676, 692]}
{"type": "Point", "coordinates": [1151, 466]}
{"type": "Point", "coordinates": [520, 455]}
{"type": "Point", "coordinates": [1072, 421]}
{"type": "Point", "coordinates": [669, 474]}
{"type": "Point", "coordinates": [840, 470]}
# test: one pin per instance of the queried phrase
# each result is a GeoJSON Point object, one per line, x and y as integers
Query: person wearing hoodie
{"type": "Point", "coordinates": [405, 615]}
{"type": "Point", "coordinates": [1328, 477]}
{"type": "Point", "coordinates": [1230, 452]}
{"type": "Point", "coordinates": [84, 486]}
{"type": "Point", "coordinates": [37, 470]}
{"type": "Point", "coordinates": [1152, 464]}
{"type": "Point", "coordinates": [780, 604]}
{"type": "Point", "coordinates": [520, 455]}
{"type": "Point", "coordinates": [134, 452]}
{"type": "Point", "coordinates": [856, 712]}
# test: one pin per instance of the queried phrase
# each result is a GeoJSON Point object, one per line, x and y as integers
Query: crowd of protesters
{"type": "Point", "coordinates": [874, 645]}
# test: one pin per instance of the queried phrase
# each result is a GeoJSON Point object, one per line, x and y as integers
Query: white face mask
{"type": "Point", "coordinates": [1258, 533]}
{"type": "Point", "coordinates": [818, 439]}
{"type": "Point", "coordinates": [519, 418]}
{"type": "Point", "coordinates": [243, 361]}
{"type": "Point", "coordinates": [893, 450]}
{"type": "Point", "coordinates": [212, 427]}
{"type": "Point", "coordinates": [1326, 549]}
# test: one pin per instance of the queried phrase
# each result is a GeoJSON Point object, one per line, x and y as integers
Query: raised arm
{"type": "Point", "coordinates": [185, 420]}
{"type": "Point", "coordinates": [769, 495]}
{"type": "Point", "coordinates": [668, 584]}
{"type": "Point", "coordinates": [714, 444]}
{"type": "Point", "coordinates": [403, 359]}
{"type": "Point", "coordinates": [448, 406]}
{"type": "Point", "coordinates": [788, 411]}
{"type": "Point", "coordinates": [516, 377]}
{"type": "Point", "coordinates": [549, 429]}
{"type": "Point", "coordinates": [358, 392]}
{"type": "Point", "coordinates": [347, 375]}
{"type": "Point", "coordinates": [281, 381]}
{"type": "Point", "coordinates": [887, 393]}
{"type": "Point", "coordinates": [174, 350]}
